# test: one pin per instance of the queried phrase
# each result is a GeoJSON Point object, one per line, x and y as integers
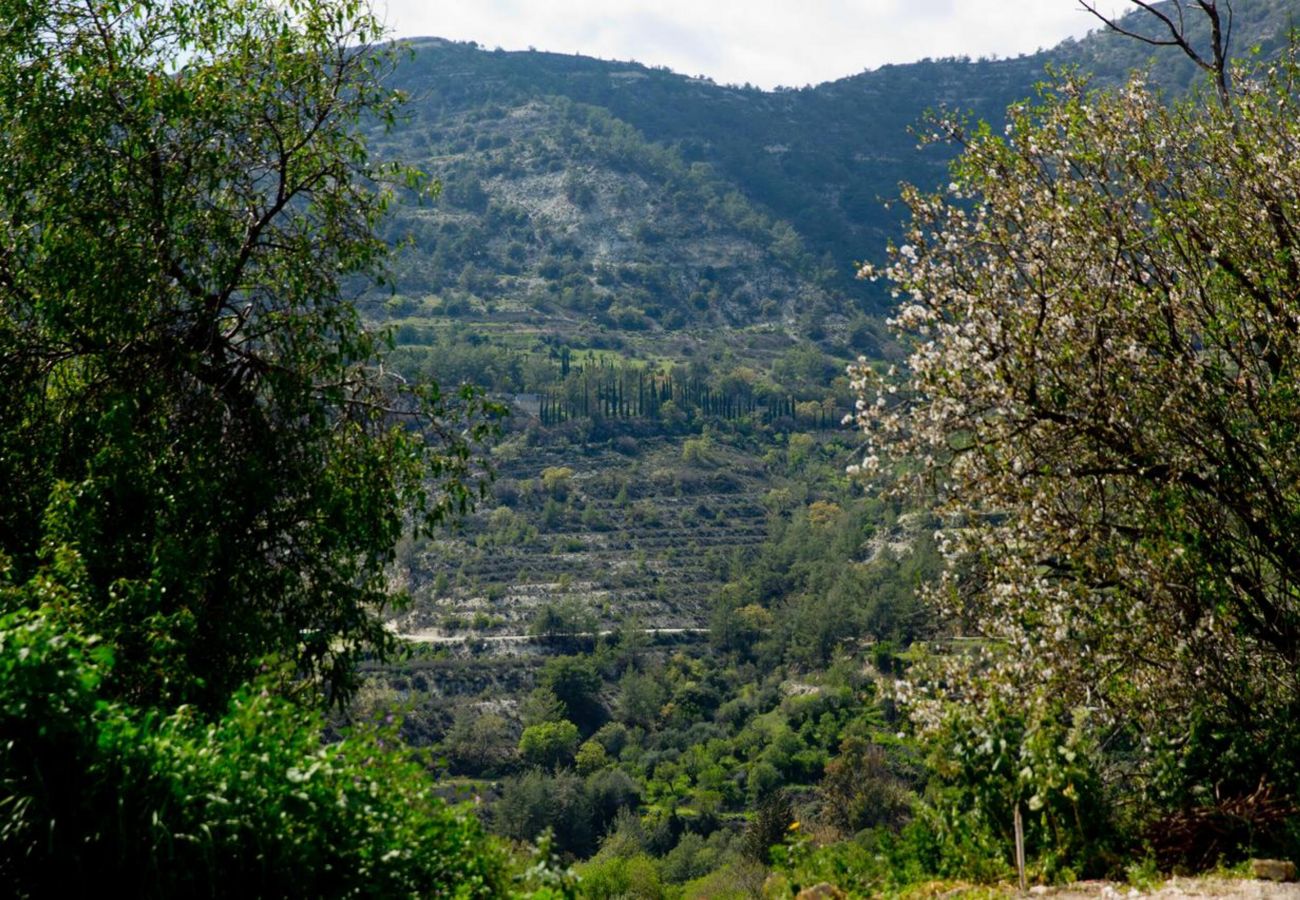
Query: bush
{"type": "Point", "coordinates": [861, 788]}
{"type": "Point", "coordinates": [95, 792]}
{"type": "Point", "coordinates": [986, 762]}
{"type": "Point", "coordinates": [548, 744]}
{"type": "Point", "coordinates": [615, 877]}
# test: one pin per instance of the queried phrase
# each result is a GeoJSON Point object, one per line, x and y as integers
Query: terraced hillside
{"type": "Point", "coordinates": [587, 539]}
{"type": "Point", "coordinates": [609, 214]}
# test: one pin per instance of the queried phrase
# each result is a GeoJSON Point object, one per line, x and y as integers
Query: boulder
{"type": "Point", "coordinates": [1273, 869]}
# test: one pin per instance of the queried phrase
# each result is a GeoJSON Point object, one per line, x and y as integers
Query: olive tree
{"type": "Point", "coordinates": [1102, 398]}
{"type": "Point", "coordinates": [191, 401]}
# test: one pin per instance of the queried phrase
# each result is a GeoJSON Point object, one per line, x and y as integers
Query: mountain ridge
{"type": "Point", "coordinates": [790, 184]}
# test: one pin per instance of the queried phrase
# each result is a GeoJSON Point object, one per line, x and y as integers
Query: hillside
{"type": "Point", "coordinates": [654, 273]}
{"type": "Point", "coordinates": [582, 527]}
{"type": "Point", "coordinates": [581, 184]}
{"type": "Point", "coordinates": [602, 224]}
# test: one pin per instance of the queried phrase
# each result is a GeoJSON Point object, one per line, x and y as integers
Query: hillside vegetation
{"type": "Point", "coordinates": [429, 469]}
{"type": "Point", "coordinates": [677, 636]}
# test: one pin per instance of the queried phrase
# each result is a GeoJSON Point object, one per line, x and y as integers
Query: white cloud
{"type": "Point", "coordinates": [766, 42]}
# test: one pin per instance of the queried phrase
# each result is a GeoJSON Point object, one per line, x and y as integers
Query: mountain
{"type": "Point", "coordinates": [579, 191]}
{"type": "Point", "coordinates": [656, 273]}
{"type": "Point", "coordinates": [637, 259]}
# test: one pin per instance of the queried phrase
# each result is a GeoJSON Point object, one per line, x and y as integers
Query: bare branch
{"type": "Point", "coordinates": [1177, 30]}
{"type": "Point", "coordinates": [1176, 26]}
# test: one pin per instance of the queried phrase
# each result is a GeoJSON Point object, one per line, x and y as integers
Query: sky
{"type": "Point", "coordinates": [763, 42]}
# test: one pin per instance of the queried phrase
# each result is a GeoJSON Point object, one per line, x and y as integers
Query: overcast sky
{"type": "Point", "coordinates": [764, 42]}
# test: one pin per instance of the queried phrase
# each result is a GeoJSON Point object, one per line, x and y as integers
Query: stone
{"type": "Point", "coordinates": [822, 891]}
{"type": "Point", "coordinates": [1273, 869]}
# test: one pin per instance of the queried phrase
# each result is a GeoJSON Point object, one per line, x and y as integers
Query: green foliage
{"type": "Point", "coordinates": [541, 705]}
{"type": "Point", "coordinates": [576, 811]}
{"type": "Point", "coordinates": [479, 743]}
{"type": "Point", "coordinates": [564, 619]}
{"type": "Point", "coordinates": [738, 880]}
{"type": "Point", "coordinates": [557, 481]}
{"type": "Point", "coordinates": [863, 788]}
{"type": "Point", "coordinates": [189, 399]}
{"type": "Point", "coordinates": [254, 802]}
{"type": "Point", "coordinates": [591, 757]}
{"type": "Point", "coordinates": [854, 866]}
{"type": "Point", "coordinates": [576, 683]}
{"type": "Point", "coordinates": [548, 744]}
{"type": "Point", "coordinates": [547, 877]}
{"type": "Point", "coordinates": [640, 699]}
{"type": "Point", "coordinates": [1143, 874]}
{"type": "Point", "coordinates": [699, 452]}
{"type": "Point", "coordinates": [696, 856]}
{"type": "Point", "coordinates": [772, 822]}
{"type": "Point", "coordinates": [807, 591]}
{"type": "Point", "coordinates": [536, 801]}
{"type": "Point", "coordinates": [616, 877]}
{"type": "Point", "coordinates": [206, 466]}
{"type": "Point", "coordinates": [1035, 756]}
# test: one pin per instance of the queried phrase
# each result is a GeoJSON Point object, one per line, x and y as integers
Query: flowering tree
{"type": "Point", "coordinates": [1103, 396]}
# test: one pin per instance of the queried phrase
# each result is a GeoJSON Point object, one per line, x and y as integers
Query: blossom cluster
{"type": "Point", "coordinates": [1102, 397]}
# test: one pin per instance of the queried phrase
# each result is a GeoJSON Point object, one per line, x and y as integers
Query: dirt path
{"type": "Point", "coordinates": [1176, 888]}
{"type": "Point", "coordinates": [434, 636]}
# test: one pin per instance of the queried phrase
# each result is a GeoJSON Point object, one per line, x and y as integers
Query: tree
{"type": "Point", "coordinates": [640, 699]}
{"type": "Point", "coordinates": [479, 742]}
{"type": "Point", "coordinates": [576, 683]}
{"type": "Point", "coordinates": [549, 744]}
{"type": "Point", "coordinates": [1103, 311]}
{"type": "Point", "coordinates": [186, 205]}
{"type": "Point", "coordinates": [591, 757]}
{"type": "Point", "coordinates": [536, 800]}
{"type": "Point", "coordinates": [205, 467]}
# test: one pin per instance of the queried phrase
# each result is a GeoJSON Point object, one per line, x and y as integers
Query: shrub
{"type": "Point", "coordinates": [548, 744]}
{"type": "Point", "coordinates": [95, 792]}
{"type": "Point", "coordinates": [618, 878]}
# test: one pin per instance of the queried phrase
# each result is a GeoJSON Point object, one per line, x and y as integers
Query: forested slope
{"type": "Point", "coordinates": [604, 227]}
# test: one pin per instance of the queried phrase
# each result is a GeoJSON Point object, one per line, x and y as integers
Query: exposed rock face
{"type": "Point", "coordinates": [822, 891]}
{"type": "Point", "coordinates": [1273, 869]}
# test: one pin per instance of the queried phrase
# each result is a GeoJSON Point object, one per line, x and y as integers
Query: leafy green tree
{"type": "Point", "coordinates": [612, 791]}
{"type": "Point", "coordinates": [479, 742]}
{"type": "Point", "coordinates": [575, 681]}
{"type": "Point", "coordinates": [541, 705]}
{"type": "Point", "coordinates": [591, 757]}
{"type": "Point", "coordinates": [640, 699]}
{"type": "Point", "coordinates": [549, 744]}
{"type": "Point", "coordinates": [537, 800]}
{"type": "Point", "coordinates": [186, 204]}
{"type": "Point", "coordinates": [568, 618]}
{"type": "Point", "coordinates": [205, 466]}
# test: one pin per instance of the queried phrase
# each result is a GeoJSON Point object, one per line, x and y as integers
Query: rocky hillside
{"type": "Point", "coordinates": [581, 190]}
{"type": "Point", "coordinates": [604, 217]}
